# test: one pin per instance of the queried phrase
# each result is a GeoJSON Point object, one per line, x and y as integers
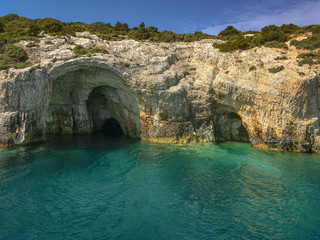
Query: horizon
{"type": "Point", "coordinates": [180, 17]}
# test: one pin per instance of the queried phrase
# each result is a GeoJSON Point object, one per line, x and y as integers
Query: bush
{"type": "Point", "coordinates": [1, 27]}
{"type": "Point", "coordinates": [305, 55]}
{"type": "Point", "coordinates": [252, 68]}
{"type": "Point", "coordinates": [11, 56]}
{"type": "Point", "coordinates": [241, 43]}
{"type": "Point", "coordinates": [100, 27]}
{"type": "Point", "coordinates": [307, 60]}
{"type": "Point", "coordinates": [34, 68]}
{"type": "Point", "coordinates": [290, 28]}
{"type": "Point", "coordinates": [10, 17]}
{"type": "Point", "coordinates": [229, 32]}
{"type": "Point", "coordinates": [281, 58]}
{"type": "Point", "coordinates": [34, 30]}
{"type": "Point", "coordinates": [51, 25]}
{"type": "Point", "coordinates": [276, 44]}
{"type": "Point", "coordinates": [276, 69]}
{"type": "Point", "coordinates": [311, 43]}
{"type": "Point", "coordinates": [22, 65]}
{"type": "Point", "coordinates": [167, 36]}
{"type": "Point", "coordinates": [54, 60]}
{"type": "Point", "coordinates": [14, 54]}
{"type": "Point", "coordinates": [48, 42]}
{"type": "Point", "coordinates": [80, 50]}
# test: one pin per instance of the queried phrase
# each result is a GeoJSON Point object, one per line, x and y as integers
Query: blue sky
{"type": "Point", "coordinates": [181, 16]}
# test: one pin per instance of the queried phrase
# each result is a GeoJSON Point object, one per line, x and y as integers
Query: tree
{"type": "Point", "coordinates": [121, 26]}
{"type": "Point", "coordinates": [100, 27]}
{"type": "Point", "coordinates": [142, 26]}
{"type": "Point", "coordinates": [270, 28]}
{"type": "Point", "coordinates": [152, 29]}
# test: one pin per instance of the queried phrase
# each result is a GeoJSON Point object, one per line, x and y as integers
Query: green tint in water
{"type": "Point", "coordinates": [93, 187]}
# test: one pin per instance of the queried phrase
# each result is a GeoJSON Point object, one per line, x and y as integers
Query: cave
{"type": "Point", "coordinates": [228, 125]}
{"type": "Point", "coordinates": [112, 128]}
{"type": "Point", "coordinates": [88, 100]}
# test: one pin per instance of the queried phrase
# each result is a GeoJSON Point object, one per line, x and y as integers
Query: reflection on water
{"type": "Point", "coordinates": [94, 187]}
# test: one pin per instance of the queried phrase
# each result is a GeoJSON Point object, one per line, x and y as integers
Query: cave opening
{"type": "Point", "coordinates": [112, 128]}
{"type": "Point", "coordinates": [89, 100]}
{"type": "Point", "coordinates": [228, 125]}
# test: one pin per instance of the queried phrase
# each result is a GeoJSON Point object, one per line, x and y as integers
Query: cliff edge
{"type": "Point", "coordinates": [163, 92]}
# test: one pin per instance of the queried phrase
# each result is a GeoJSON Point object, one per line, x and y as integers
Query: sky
{"type": "Point", "coordinates": [182, 16]}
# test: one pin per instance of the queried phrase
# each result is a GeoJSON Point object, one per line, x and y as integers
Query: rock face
{"type": "Point", "coordinates": [177, 92]}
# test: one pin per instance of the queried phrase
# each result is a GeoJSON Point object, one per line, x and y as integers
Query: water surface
{"type": "Point", "coordinates": [94, 187]}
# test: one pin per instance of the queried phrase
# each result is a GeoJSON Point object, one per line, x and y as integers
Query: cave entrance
{"type": "Point", "coordinates": [92, 99]}
{"type": "Point", "coordinates": [103, 113]}
{"type": "Point", "coordinates": [228, 125]}
{"type": "Point", "coordinates": [112, 128]}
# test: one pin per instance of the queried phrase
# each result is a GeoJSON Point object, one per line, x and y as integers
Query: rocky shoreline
{"type": "Point", "coordinates": [163, 92]}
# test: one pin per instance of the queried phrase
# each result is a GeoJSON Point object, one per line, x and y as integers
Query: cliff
{"type": "Point", "coordinates": [163, 92]}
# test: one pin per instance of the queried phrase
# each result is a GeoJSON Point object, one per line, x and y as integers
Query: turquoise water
{"type": "Point", "coordinates": [94, 187]}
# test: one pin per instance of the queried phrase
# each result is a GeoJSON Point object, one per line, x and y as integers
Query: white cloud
{"type": "Point", "coordinates": [305, 13]}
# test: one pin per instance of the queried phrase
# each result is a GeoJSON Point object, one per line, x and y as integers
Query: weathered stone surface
{"type": "Point", "coordinates": [177, 92]}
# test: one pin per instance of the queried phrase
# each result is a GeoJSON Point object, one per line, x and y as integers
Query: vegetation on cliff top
{"type": "Point", "coordinates": [270, 36]}
{"type": "Point", "coordinates": [14, 28]}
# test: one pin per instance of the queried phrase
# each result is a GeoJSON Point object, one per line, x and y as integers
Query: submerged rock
{"type": "Point", "coordinates": [164, 92]}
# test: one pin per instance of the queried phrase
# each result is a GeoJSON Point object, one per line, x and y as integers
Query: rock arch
{"type": "Point", "coordinates": [84, 96]}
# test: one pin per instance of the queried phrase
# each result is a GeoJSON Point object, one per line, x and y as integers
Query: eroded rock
{"type": "Point", "coordinates": [177, 92]}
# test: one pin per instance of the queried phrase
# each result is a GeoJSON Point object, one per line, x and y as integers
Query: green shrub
{"type": "Point", "coordinates": [34, 68]}
{"type": "Point", "coordinates": [305, 55]}
{"type": "Point", "coordinates": [318, 56]}
{"type": "Point", "coordinates": [167, 36]}
{"type": "Point", "coordinates": [228, 32]}
{"type": "Point", "coordinates": [121, 27]}
{"type": "Point", "coordinates": [290, 28]}
{"type": "Point", "coordinates": [281, 58]}
{"type": "Point", "coordinates": [48, 42]}
{"type": "Point", "coordinates": [1, 27]}
{"type": "Point", "coordinates": [54, 60]}
{"type": "Point", "coordinates": [22, 65]}
{"type": "Point", "coordinates": [275, 44]}
{"type": "Point", "coordinates": [311, 43]}
{"type": "Point", "coordinates": [276, 69]}
{"type": "Point", "coordinates": [307, 60]}
{"type": "Point", "coordinates": [8, 18]}
{"type": "Point", "coordinates": [51, 25]}
{"type": "Point", "coordinates": [241, 43]}
{"type": "Point", "coordinates": [80, 50]}
{"type": "Point", "coordinates": [270, 28]}
{"type": "Point", "coordinates": [100, 27]}
{"type": "Point", "coordinates": [34, 30]}
{"type": "Point", "coordinates": [13, 54]}
{"type": "Point", "coordinates": [252, 68]}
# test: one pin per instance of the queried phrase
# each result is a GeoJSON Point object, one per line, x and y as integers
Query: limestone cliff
{"type": "Point", "coordinates": [163, 92]}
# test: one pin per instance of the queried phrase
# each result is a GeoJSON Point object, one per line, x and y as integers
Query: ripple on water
{"type": "Point", "coordinates": [93, 187]}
